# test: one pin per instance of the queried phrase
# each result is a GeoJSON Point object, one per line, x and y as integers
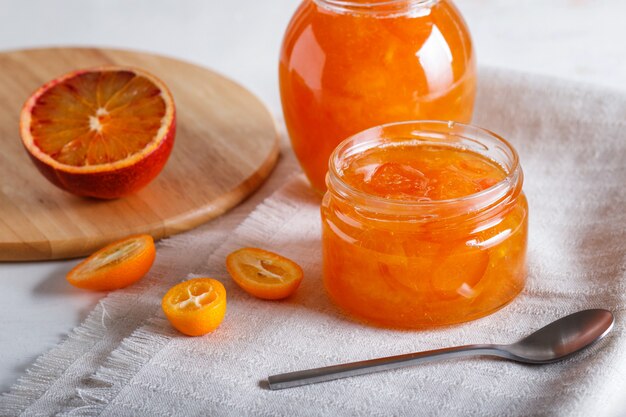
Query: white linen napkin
{"type": "Point", "coordinates": [572, 143]}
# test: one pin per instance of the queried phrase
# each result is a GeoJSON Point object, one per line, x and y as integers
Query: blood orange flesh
{"type": "Point", "coordinates": [104, 132]}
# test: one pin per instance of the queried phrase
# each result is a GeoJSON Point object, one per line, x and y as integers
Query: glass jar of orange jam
{"type": "Point", "coordinates": [424, 224]}
{"type": "Point", "coordinates": [347, 65]}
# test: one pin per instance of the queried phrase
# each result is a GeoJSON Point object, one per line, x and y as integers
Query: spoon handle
{"type": "Point", "coordinates": [329, 373]}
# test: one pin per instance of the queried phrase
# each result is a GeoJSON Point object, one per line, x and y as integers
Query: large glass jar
{"type": "Point", "coordinates": [424, 224]}
{"type": "Point", "coordinates": [349, 65]}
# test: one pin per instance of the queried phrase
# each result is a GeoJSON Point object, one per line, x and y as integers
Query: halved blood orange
{"type": "Point", "coordinates": [103, 132]}
{"type": "Point", "coordinates": [115, 266]}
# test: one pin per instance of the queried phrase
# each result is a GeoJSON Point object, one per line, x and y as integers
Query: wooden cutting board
{"type": "Point", "coordinates": [226, 145]}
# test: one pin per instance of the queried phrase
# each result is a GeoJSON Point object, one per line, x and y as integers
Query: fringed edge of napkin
{"type": "Point", "coordinates": [50, 366]}
{"type": "Point", "coordinates": [121, 366]}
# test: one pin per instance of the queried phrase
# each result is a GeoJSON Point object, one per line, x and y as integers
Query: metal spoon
{"type": "Point", "coordinates": [551, 343]}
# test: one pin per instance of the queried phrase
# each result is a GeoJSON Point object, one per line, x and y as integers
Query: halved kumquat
{"type": "Point", "coordinates": [264, 274]}
{"type": "Point", "coordinates": [116, 265]}
{"type": "Point", "coordinates": [195, 307]}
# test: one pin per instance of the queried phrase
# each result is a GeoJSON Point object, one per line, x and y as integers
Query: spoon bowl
{"type": "Point", "coordinates": [562, 337]}
{"type": "Point", "coordinates": [551, 343]}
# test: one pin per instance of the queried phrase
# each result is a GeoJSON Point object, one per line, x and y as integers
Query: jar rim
{"type": "Point", "coordinates": [421, 129]}
{"type": "Point", "coordinates": [374, 6]}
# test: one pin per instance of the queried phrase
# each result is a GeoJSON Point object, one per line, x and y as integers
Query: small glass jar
{"type": "Point", "coordinates": [347, 65]}
{"type": "Point", "coordinates": [420, 262]}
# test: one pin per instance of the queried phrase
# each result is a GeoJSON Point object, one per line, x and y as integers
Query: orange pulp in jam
{"type": "Point", "coordinates": [421, 173]}
{"type": "Point", "coordinates": [396, 269]}
{"type": "Point", "coordinates": [347, 68]}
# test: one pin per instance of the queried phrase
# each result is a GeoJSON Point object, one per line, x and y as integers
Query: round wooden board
{"type": "Point", "coordinates": [226, 145]}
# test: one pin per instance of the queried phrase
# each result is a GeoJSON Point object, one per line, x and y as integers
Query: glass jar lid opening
{"type": "Point", "coordinates": [428, 133]}
{"type": "Point", "coordinates": [378, 7]}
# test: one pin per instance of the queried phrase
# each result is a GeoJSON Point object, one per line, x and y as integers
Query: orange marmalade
{"type": "Point", "coordinates": [424, 224]}
{"type": "Point", "coordinates": [349, 65]}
